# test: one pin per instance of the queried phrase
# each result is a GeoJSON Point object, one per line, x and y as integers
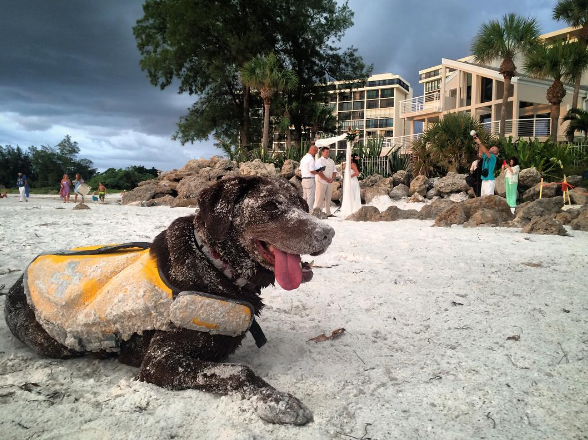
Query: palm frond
{"type": "Point", "coordinates": [573, 12]}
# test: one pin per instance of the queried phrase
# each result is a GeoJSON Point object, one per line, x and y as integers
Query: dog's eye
{"type": "Point", "coordinates": [271, 206]}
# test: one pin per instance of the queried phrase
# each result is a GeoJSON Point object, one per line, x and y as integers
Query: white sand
{"type": "Point", "coordinates": [428, 312]}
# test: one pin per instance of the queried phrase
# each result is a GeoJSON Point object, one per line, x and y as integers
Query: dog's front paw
{"type": "Point", "coordinates": [281, 408]}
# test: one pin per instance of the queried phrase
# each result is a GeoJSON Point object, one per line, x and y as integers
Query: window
{"type": "Point", "coordinates": [374, 103]}
{"type": "Point", "coordinates": [430, 74]}
{"type": "Point", "coordinates": [486, 92]}
{"type": "Point", "coordinates": [358, 96]}
{"type": "Point", "coordinates": [357, 115]}
{"type": "Point", "coordinates": [344, 106]}
{"type": "Point", "coordinates": [387, 93]}
{"type": "Point", "coordinates": [344, 116]}
{"type": "Point", "coordinates": [373, 94]}
{"type": "Point", "coordinates": [332, 97]}
{"type": "Point", "coordinates": [380, 123]}
{"type": "Point", "coordinates": [344, 96]}
{"type": "Point", "coordinates": [358, 105]}
{"type": "Point", "coordinates": [388, 133]}
{"type": "Point", "coordinates": [388, 82]}
{"type": "Point", "coordinates": [385, 103]}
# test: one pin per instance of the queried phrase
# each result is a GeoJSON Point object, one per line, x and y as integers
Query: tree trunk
{"type": "Point", "coordinates": [555, 108]}
{"type": "Point", "coordinates": [576, 92]}
{"type": "Point", "coordinates": [507, 81]}
{"type": "Point", "coordinates": [245, 122]}
{"type": "Point", "coordinates": [288, 138]}
{"type": "Point", "coordinates": [266, 122]}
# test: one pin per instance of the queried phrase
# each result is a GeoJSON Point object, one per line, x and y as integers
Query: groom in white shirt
{"type": "Point", "coordinates": [308, 171]}
{"type": "Point", "coordinates": [324, 181]}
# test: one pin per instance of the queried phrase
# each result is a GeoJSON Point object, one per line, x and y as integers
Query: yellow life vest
{"type": "Point", "coordinates": [91, 298]}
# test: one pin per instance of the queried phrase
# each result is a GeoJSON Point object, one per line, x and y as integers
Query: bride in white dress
{"type": "Point", "coordinates": [354, 187]}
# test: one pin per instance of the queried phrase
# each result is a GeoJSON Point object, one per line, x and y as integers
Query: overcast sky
{"type": "Point", "coordinates": [72, 67]}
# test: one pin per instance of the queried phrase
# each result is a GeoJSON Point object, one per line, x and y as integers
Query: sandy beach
{"type": "Point", "coordinates": [451, 333]}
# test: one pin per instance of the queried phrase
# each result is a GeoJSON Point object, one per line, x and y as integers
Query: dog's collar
{"type": "Point", "coordinates": [223, 267]}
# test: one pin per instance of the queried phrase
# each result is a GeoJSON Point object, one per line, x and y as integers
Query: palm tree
{"type": "Point", "coordinates": [321, 118]}
{"type": "Point", "coordinates": [495, 40]}
{"type": "Point", "coordinates": [578, 122]}
{"type": "Point", "coordinates": [265, 74]}
{"type": "Point", "coordinates": [574, 13]}
{"type": "Point", "coordinates": [551, 62]}
{"type": "Point", "coordinates": [577, 66]}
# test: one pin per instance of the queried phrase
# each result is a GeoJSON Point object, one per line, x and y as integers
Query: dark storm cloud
{"type": "Point", "coordinates": [72, 67]}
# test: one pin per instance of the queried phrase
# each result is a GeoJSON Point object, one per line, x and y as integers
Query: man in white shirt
{"type": "Point", "coordinates": [308, 171]}
{"type": "Point", "coordinates": [324, 181]}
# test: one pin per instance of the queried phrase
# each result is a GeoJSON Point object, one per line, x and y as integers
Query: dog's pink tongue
{"type": "Point", "coordinates": [287, 269]}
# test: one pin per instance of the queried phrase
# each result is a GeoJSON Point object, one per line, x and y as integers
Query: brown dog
{"type": "Point", "coordinates": [248, 233]}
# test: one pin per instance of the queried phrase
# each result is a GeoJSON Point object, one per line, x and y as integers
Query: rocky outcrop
{"type": "Point", "coordinates": [545, 225]}
{"type": "Point", "coordinates": [393, 213]}
{"type": "Point", "coordinates": [147, 190]}
{"type": "Point", "coordinates": [500, 185]}
{"type": "Point", "coordinates": [401, 177]}
{"type": "Point", "coordinates": [80, 206]}
{"type": "Point", "coordinates": [574, 180]}
{"type": "Point", "coordinates": [566, 217]}
{"type": "Point", "coordinates": [485, 217]}
{"type": "Point", "coordinates": [528, 178]}
{"type": "Point", "coordinates": [399, 192]}
{"type": "Point", "coordinates": [458, 197]}
{"type": "Point", "coordinates": [579, 196]}
{"type": "Point", "coordinates": [289, 168]}
{"type": "Point", "coordinates": [257, 168]}
{"type": "Point", "coordinates": [533, 193]}
{"type": "Point", "coordinates": [581, 223]}
{"type": "Point", "coordinates": [419, 185]}
{"type": "Point", "coordinates": [366, 214]}
{"type": "Point", "coordinates": [463, 212]}
{"type": "Point", "coordinates": [526, 211]}
{"type": "Point", "coordinates": [432, 193]}
{"type": "Point", "coordinates": [375, 186]}
{"type": "Point", "coordinates": [416, 198]}
{"type": "Point", "coordinates": [451, 183]}
{"type": "Point", "coordinates": [433, 209]}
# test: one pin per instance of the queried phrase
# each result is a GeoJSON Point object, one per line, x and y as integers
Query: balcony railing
{"type": "Point", "coordinates": [537, 127]}
{"type": "Point", "coordinates": [404, 142]}
{"type": "Point", "coordinates": [429, 103]}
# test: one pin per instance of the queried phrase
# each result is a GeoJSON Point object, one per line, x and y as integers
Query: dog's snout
{"type": "Point", "coordinates": [324, 234]}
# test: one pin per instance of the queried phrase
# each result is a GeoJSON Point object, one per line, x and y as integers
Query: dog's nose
{"type": "Point", "coordinates": [324, 234]}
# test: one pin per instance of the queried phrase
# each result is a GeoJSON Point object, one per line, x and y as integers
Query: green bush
{"type": "Point", "coordinates": [550, 158]}
{"type": "Point", "coordinates": [119, 179]}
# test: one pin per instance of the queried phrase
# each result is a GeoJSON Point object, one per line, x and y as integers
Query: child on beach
{"type": "Point", "coordinates": [77, 182]}
{"type": "Point", "coordinates": [101, 192]}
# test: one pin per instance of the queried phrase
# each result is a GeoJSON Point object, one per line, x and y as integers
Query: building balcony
{"type": "Point", "coordinates": [421, 105]}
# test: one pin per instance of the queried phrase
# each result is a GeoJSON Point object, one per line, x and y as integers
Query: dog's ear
{"type": "Point", "coordinates": [218, 201]}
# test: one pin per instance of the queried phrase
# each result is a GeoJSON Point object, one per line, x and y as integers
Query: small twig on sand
{"type": "Point", "coordinates": [565, 356]}
{"type": "Point", "coordinates": [493, 421]}
{"type": "Point", "coordinates": [512, 362]}
{"type": "Point", "coordinates": [363, 437]}
{"type": "Point", "coordinates": [359, 357]}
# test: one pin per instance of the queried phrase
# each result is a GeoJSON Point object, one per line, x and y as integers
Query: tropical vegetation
{"type": "Point", "coordinates": [578, 122]}
{"type": "Point", "coordinates": [504, 40]}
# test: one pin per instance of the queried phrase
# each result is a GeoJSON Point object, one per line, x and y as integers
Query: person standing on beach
{"type": "Point", "coordinates": [488, 166]}
{"type": "Point", "coordinates": [308, 171]}
{"type": "Point", "coordinates": [101, 192]}
{"type": "Point", "coordinates": [65, 188]}
{"type": "Point", "coordinates": [77, 182]}
{"type": "Point", "coordinates": [324, 181]}
{"type": "Point", "coordinates": [23, 187]}
{"type": "Point", "coordinates": [511, 179]}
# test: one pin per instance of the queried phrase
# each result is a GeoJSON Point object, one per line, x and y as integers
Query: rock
{"type": "Point", "coordinates": [538, 208]}
{"type": "Point", "coordinates": [146, 190]}
{"type": "Point", "coordinates": [484, 217]}
{"type": "Point", "coordinates": [184, 203]}
{"type": "Point", "coordinates": [566, 217]}
{"type": "Point", "coordinates": [419, 185]}
{"type": "Point", "coordinates": [533, 193]}
{"type": "Point", "coordinates": [528, 178]}
{"type": "Point", "coordinates": [376, 187]}
{"type": "Point", "coordinates": [366, 214]}
{"type": "Point", "coordinates": [579, 196]}
{"type": "Point", "coordinates": [432, 181]}
{"type": "Point", "coordinates": [545, 225]}
{"type": "Point", "coordinates": [336, 196]}
{"type": "Point", "coordinates": [257, 168]}
{"type": "Point", "coordinates": [433, 209]}
{"type": "Point", "coordinates": [81, 206]}
{"type": "Point", "coordinates": [432, 193]}
{"type": "Point", "coordinates": [318, 213]}
{"type": "Point", "coordinates": [574, 180]}
{"type": "Point", "coordinates": [370, 181]}
{"type": "Point", "coordinates": [192, 186]}
{"type": "Point", "coordinates": [581, 223]}
{"type": "Point", "coordinates": [458, 197]}
{"type": "Point", "coordinates": [289, 168]}
{"type": "Point", "coordinates": [399, 192]}
{"type": "Point", "coordinates": [395, 213]}
{"type": "Point", "coordinates": [166, 200]}
{"type": "Point", "coordinates": [416, 198]}
{"type": "Point", "coordinates": [297, 182]}
{"type": "Point", "coordinates": [500, 185]}
{"type": "Point", "coordinates": [452, 183]}
{"type": "Point", "coordinates": [400, 177]}
{"type": "Point", "coordinates": [462, 212]}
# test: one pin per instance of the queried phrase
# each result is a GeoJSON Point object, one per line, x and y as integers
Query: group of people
{"type": "Point", "coordinates": [66, 184]}
{"type": "Point", "coordinates": [482, 178]}
{"type": "Point", "coordinates": [319, 175]}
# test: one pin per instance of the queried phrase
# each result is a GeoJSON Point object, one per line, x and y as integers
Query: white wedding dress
{"type": "Point", "coordinates": [354, 191]}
